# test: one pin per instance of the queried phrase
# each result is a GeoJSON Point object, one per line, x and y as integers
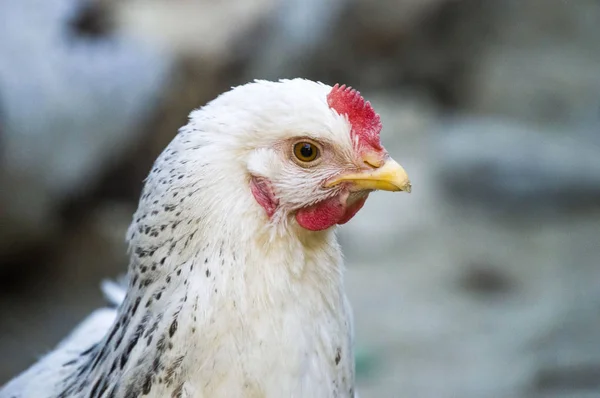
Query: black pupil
{"type": "Point", "coordinates": [306, 150]}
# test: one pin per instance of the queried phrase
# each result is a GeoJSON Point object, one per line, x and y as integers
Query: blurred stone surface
{"type": "Point", "coordinates": [538, 62]}
{"type": "Point", "coordinates": [509, 166]}
{"type": "Point", "coordinates": [534, 60]}
{"type": "Point", "coordinates": [39, 308]}
{"type": "Point", "coordinates": [359, 42]}
{"type": "Point", "coordinates": [290, 37]}
{"type": "Point", "coordinates": [70, 106]}
{"type": "Point", "coordinates": [207, 30]}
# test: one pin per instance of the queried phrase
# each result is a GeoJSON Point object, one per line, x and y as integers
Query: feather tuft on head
{"type": "Point", "coordinates": [366, 124]}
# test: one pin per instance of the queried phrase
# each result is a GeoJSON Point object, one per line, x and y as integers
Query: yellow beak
{"type": "Point", "coordinates": [390, 176]}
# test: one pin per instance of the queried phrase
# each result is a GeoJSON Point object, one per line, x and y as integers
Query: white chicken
{"type": "Point", "coordinates": [235, 279]}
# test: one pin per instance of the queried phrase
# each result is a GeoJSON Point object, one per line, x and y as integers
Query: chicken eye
{"type": "Point", "coordinates": [306, 151]}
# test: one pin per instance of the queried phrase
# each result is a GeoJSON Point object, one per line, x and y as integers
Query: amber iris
{"type": "Point", "coordinates": [305, 151]}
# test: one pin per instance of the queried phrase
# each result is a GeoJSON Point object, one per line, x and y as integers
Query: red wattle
{"type": "Point", "coordinates": [329, 212]}
{"type": "Point", "coordinates": [352, 210]}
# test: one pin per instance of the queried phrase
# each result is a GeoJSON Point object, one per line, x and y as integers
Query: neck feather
{"type": "Point", "coordinates": [201, 247]}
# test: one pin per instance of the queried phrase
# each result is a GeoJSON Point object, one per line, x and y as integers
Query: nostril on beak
{"type": "Point", "coordinates": [370, 164]}
{"type": "Point", "coordinates": [373, 162]}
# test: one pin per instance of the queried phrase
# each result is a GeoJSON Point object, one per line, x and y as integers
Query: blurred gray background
{"type": "Point", "coordinates": [484, 282]}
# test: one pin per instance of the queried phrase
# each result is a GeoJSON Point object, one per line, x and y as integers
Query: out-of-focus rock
{"type": "Point", "coordinates": [39, 308]}
{"type": "Point", "coordinates": [544, 85]}
{"type": "Point", "coordinates": [358, 42]}
{"type": "Point", "coordinates": [536, 339]}
{"type": "Point", "coordinates": [392, 18]}
{"type": "Point", "coordinates": [70, 106]}
{"type": "Point", "coordinates": [291, 36]}
{"type": "Point", "coordinates": [569, 357]}
{"type": "Point", "coordinates": [211, 31]}
{"type": "Point", "coordinates": [539, 62]}
{"type": "Point", "coordinates": [536, 61]}
{"type": "Point", "coordinates": [508, 166]}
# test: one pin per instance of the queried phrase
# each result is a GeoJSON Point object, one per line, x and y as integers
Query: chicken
{"type": "Point", "coordinates": [235, 285]}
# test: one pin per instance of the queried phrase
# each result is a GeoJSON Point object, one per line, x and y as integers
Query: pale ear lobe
{"type": "Point", "coordinates": [262, 190]}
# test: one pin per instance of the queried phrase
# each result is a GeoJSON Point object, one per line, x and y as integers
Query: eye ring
{"type": "Point", "coordinates": [306, 151]}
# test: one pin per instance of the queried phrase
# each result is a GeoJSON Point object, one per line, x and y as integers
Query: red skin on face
{"type": "Point", "coordinates": [366, 127]}
{"type": "Point", "coordinates": [261, 189]}
{"type": "Point", "coordinates": [317, 217]}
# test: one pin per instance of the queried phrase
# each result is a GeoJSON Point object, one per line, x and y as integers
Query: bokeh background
{"type": "Point", "coordinates": [483, 283]}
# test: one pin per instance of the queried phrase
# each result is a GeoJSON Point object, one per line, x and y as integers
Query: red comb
{"type": "Point", "coordinates": [366, 124]}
